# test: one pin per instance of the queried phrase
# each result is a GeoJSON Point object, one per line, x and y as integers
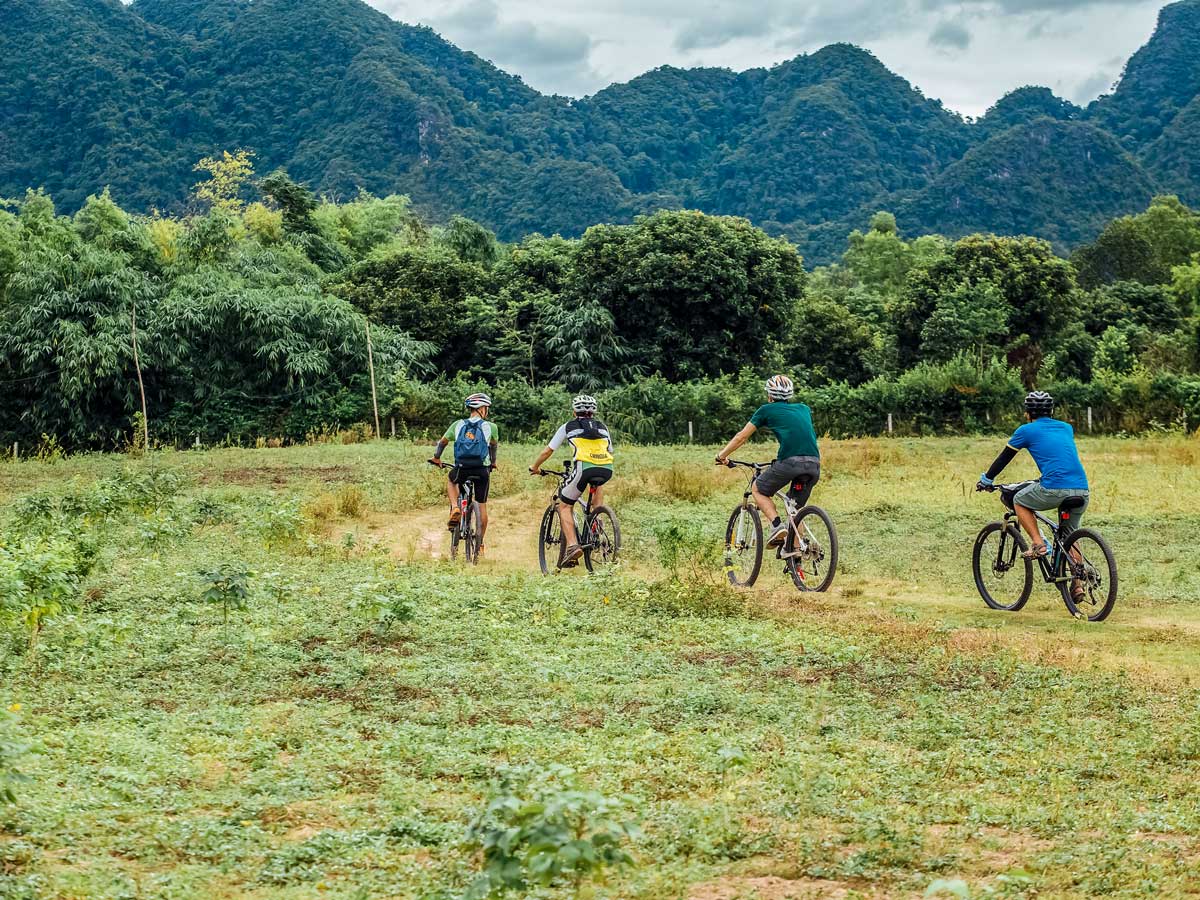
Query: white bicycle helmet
{"type": "Point", "coordinates": [780, 387]}
{"type": "Point", "coordinates": [1039, 403]}
{"type": "Point", "coordinates": [584, 403]}
{"type": "Point", "coordinates": [475, 401]}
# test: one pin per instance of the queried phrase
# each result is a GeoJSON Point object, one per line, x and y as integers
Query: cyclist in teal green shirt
{"type": "Point", "coordinates": [798, 462]}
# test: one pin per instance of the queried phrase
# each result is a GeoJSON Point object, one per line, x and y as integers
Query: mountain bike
{"type": "Point", "coordinates": [466, 533]}
{"type": "Point", "coordinates": [809, 552]}
{"type": "Point", "coordinates": [1080, 565]}
{"type": "Point", "coordinates": [596, 527]}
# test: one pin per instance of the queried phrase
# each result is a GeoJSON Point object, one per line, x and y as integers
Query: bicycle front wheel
{"type": "Point", "coordinates": [811, 550]}
{"type": "Point", "coordinates": [743, 546]}
{"type": "Point", "coordinates": [550, 541]}
{"type": "Point", "coordinates": [602, 539]}
{"type": "Point", "coordinates": [1004, 578]}
{"type": "Point", "coordinates": [1089, 572]}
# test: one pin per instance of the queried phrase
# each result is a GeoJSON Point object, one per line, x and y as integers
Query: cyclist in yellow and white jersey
{"type": "Point", "coordinates": [592, 453]}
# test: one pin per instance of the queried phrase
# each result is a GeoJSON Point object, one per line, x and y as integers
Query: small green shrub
{"type": "Point", "coordinates": [352, 501]}
{"type": "Point", "coordinates": [228, 586]}
{"type": "Point", "coordinates": [12, 748]}
{"type": "Point", "coordinates": [688, 549]}
{"type": "Point", "coordinates": [384, 604]}
{"type": "Point", "coordinates": [278, 524]}
{"type": "Point", "coordinates": [541, 828]}
{"type": "Point", "coordinates": [38, 578]}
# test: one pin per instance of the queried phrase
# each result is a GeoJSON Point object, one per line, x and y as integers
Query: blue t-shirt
{"type": "Point", "coordinates": [1051, 443]}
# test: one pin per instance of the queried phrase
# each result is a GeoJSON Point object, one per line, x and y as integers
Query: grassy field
{"type": "Point", "coordinates": [333, 731]}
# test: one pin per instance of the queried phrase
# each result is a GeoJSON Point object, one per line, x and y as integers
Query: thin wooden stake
{"type": "Point", "coordinates": [141, 385]}
{"type": "Point", "coordinates": [691, 434]}
{"type": "Point", "coordinates": [393, 428]}
{"type": "Point", "coordinates": [371, 367]}
{"type": "Point", "coordinates": [889, 423]}
{"type": "Point", "coordinates": [1089, 419]}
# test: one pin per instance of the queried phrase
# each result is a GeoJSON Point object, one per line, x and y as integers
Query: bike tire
{"type": "Point", "coordinates": [1010, 533]}
{"type": "Point", "coordinates": [736, 524]}
{"type": "Point", "coordinates": [1102, 595]}
{"type": "Point", "coordinates": [609, 551]}
{"type": "Point", "coordinates": [471, 538]}
{"type": "Point", "coordinates": [549, 536]}
{"type": "Point", "coordinates": [796, 565]}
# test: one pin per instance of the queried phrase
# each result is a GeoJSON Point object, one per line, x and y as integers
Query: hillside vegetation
{"type": "Point", "coordinates": [94, 93]}
{"type": "Point", "coordinates": [251, 320]}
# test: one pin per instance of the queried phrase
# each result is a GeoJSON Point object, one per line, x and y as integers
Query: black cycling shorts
{"type": "Point", "coordinates": [583, 477]}
{"type": "Point", "coordinates": [799, 474]}
{"type": "Point", "coordinates": [481, 475]}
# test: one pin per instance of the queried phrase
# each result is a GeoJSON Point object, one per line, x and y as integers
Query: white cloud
{"type": "Point", "coordinates": [986, 47]}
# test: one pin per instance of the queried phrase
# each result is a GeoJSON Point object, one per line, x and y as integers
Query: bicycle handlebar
{"type": "Point", "coordinates": [436, 463]}
{"type": "Point", "coordinates": [734, 463]}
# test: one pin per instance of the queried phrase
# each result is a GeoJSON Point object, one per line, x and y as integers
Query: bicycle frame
{"type": "Point", "coordinates": [1058, 532]}
{"type": "Point", "coordinates": [1046, 563]}
{"type": "Point", "coordinates": [790, 506]}
{"type": "Point", "coordinates": [585, 540]}
{"type": "Point", "coordinates": [466, 496]}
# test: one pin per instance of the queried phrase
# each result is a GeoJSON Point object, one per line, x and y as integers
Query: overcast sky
{"type": "Point", "coordinates": [967, 53]}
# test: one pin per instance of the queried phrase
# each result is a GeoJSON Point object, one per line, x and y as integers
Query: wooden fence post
{"type": "Point", "coordinates": [371, 367]}
{"type": "Point", "coordinates": [889, 423]}
{"type": "Point", "coordinates": [1089, 420]}
{"type": "Point", "coordinates": [691, 435]}
{"type": "Point", "coordinates": [141, 385]}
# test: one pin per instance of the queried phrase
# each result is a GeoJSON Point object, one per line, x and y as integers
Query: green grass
{"type": "Point", "coordinates": [871, 741]}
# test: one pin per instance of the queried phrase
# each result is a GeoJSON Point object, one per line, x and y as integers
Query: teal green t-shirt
{"type": "Point", "coordinates": [792, 425]}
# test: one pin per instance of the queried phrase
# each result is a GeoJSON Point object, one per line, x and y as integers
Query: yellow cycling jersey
{"type": "Point", "coordinates": [591, 444]}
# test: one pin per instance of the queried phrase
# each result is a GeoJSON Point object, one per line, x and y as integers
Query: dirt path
{"type": "Point", "coordinates": [511, 541]}
{"type": "Point", "coordinates": [1140, 640]}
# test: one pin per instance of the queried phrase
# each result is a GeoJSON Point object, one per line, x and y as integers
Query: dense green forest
{"type": "Point", "coordinates": [250, 320]}
{"type": "Point", "coordinates": [95, 93]}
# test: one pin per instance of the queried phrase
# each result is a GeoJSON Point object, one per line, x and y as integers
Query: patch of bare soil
{"type": "Point", "coordinates": [771, 887]}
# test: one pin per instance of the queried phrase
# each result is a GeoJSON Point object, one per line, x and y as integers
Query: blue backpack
{"type": "Point", "coordinates": [471, 444]}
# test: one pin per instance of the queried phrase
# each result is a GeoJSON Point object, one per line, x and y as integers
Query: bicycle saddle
{"type": "Point", "coordinates": [1072, 503]}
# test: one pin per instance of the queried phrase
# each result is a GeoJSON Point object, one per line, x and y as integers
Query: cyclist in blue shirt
{"type": "Point", "coordinates": [1051, 443]}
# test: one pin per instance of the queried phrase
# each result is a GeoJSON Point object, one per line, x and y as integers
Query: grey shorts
{"type": "Point", "coordinates": [804, 471]}
{"type": "Point", "coordinates": [1037, 497]}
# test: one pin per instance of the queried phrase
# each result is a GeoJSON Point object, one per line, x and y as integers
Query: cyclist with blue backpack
{"type": "Point", "coordinates": [474, 439]}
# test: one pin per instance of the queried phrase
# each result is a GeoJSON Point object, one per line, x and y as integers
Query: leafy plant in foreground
{"type": "Point", "coordinates": [38, 577]}
{"type": "Point", "coordinates": [227, 585]}
{"type": "Point", "coordinates": [385, 605]}
{"type": "Point", "coordinates": [12, 748]}
{"type": "Point", "coordinates": [540, 827]}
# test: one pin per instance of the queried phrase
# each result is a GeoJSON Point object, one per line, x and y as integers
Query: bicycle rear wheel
{"type": "Point", "coordinates": [743, 546]}
{"type": "Point", "coordinates": [1004, 578]}
{"type": "Point", "coordinates": [1087, 559]}
{"type": "Point", "coordinates": [602, 536]}
{"type": "Point", "coordinates": [814, 541]}
{"type": "Point", "coordinates": [550, 541]}
{"type": "Point", "coordinates": [471, 538]}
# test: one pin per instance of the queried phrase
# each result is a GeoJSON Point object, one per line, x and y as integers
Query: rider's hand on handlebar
{"type": "Point", "coordinates": [434, 461]}
{"type": "Point", "coordinates": [722, 462]}
{"type": "Point", "coordinates": [535, 470]}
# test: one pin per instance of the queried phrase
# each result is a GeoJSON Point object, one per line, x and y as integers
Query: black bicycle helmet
{"type": "Point", "coordinates": [1039, 403]}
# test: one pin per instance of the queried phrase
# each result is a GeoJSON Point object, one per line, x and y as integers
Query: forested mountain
{"type": "Point", "coordinates": [93, 92]}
